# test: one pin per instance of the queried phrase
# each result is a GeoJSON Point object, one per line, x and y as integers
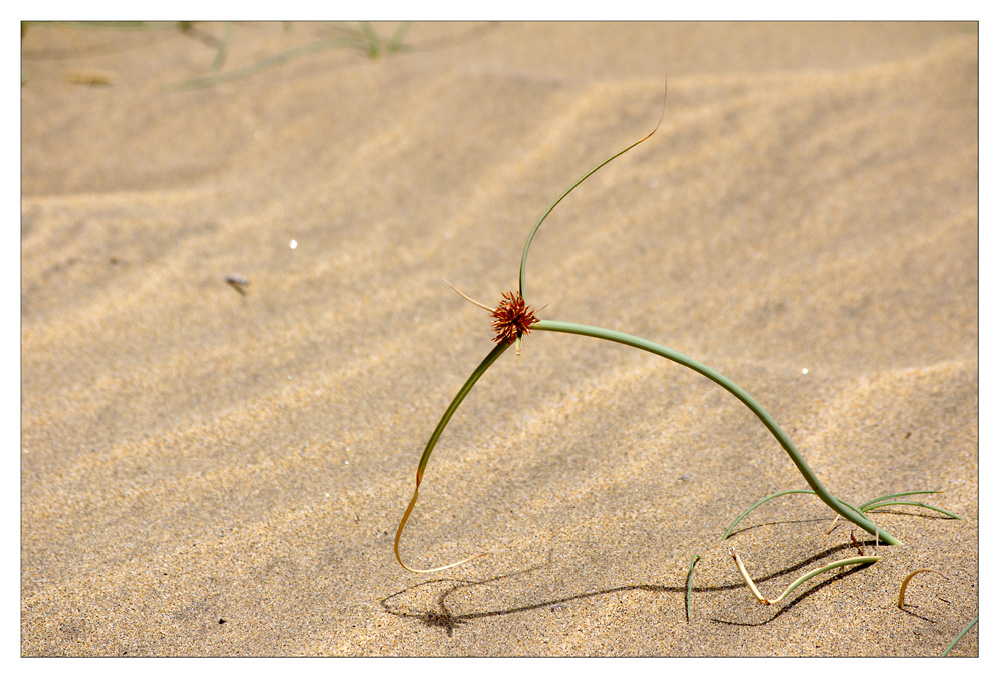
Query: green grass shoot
{"type": "Point", "coordinates": [690, 583]}
{"type": "Point", "coordinates": [960, 636]}
{"type": "Point", "coordinates": [863, 508]}
{"type": "Point", "coordinates": [364, 38]}
{"type": "Point", "coordinates": [858, 560]}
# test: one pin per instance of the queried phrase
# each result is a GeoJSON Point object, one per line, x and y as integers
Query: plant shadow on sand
{"type": "Point", "coordinates": [428, 602]}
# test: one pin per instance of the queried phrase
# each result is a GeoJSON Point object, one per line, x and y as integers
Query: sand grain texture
{"type": "Point", "coordinates": [210, 473]}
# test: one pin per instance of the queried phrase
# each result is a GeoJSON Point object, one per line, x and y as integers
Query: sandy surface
{"type": "Point", "coordinates": [210, 473]}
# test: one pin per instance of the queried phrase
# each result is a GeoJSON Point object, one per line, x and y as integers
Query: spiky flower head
{"type": "Point", "coordinates": [512, 318]}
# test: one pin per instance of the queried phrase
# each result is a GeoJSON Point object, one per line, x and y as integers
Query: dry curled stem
{"type": "Point", "coordinates": [398, 535]}
{"type": "Point", "coordinates": [908, 578]}
{"type": "Point", "coordinates": [767, 601]}
{"type": "Point", "coordinates": [468, 298]}
{"type": "Point", "coordinates": [856, 544]}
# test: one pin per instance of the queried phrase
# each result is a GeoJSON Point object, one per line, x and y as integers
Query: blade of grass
{"type": "Point", "coordinates": [915, 503]}
{"type": "Point", "coordinates": [859, 560]}
{"type": "Point", "coordinates": [690, 583]}
{"type": "Point", "coordinates": [863, 507]}
{"type": "Point", "coordinates": [395, 43]}
{"type": "Point", "coordinates": [757, 505]}
{"type": "Point", "coordinates": [960, 636]}
{"type": "Point", "coordinates": [374, 42]}
{"type": "Point", "coordinates": [222, 48]}
{"type": "Point", "coordinates": [268, 63]}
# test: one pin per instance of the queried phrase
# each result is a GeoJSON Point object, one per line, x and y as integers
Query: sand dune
{"type": "Point", "coordinates": [205, 472]}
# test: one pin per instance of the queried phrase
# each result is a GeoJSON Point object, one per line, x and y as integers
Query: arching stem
{"type": "Point", "coordinates": [537, 224]}
{"type": "Point", "coordinates": [806, 471]}
{"type": "Point", "coordinates": [441, 425]}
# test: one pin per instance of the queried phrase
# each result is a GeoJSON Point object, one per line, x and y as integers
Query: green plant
{"type": "Point", "coordinates": [960, 636]}
{"type": "Point", "coordinates": [863, 508]}
{"type": "Point", "coordinates": [690, 582]}
{"type": "Point", "coordinates": [859, 560]}
{"type": "Point", "coordinates": [364, 38]}
{"type": "Point", "coordinates": [513, 319]}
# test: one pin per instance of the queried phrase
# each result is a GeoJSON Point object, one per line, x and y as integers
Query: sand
{"type": "Point", "coordinates": [209, 471]}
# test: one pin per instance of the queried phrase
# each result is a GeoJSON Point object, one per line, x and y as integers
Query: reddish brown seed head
{"type": "Point", "coordinates": [512, 318]}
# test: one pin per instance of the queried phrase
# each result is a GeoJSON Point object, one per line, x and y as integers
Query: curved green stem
{"type": "Point", "coordinates": [867, 504]}
{"type": "Point", "coordinates": [537, 224]}
{"type": "Point", "coordinates": [441, 425]}
{"type": "Point", "coordinates": [960, 636]}
{"type": "Point", "coordinates": [690, 581]}
{"type": "Point", "coordinates": [947, 513]}
{"type": "Point", "coordinates": [832, 502]}
{"type": "Point", "coordinates": [758, 504]}
{"type": "Point", "coordinates": [861, 560]}
{"type": "Point", "coordinates": [863, 508]}
{"type": "Point", "coordinates": [449, 412]}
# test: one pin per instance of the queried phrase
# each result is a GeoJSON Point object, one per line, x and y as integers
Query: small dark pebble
{"type": "Point", "coordinates": [238, 283]}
